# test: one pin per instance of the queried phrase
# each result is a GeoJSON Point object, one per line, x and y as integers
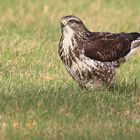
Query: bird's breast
{"type": "Point", "coordinates": [67, 49]}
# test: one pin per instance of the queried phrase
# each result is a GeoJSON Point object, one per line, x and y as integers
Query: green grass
{"type": "Point", "coordinates": [38, 98]}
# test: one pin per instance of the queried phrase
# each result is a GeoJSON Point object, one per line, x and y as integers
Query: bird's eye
{"type": "Point", "coordinates": [72, 21]}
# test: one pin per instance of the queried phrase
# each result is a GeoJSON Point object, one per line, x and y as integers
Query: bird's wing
{"type": "Point", "coordinates": [107, 47]}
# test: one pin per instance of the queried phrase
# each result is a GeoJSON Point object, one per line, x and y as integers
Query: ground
{"type": "Point", "coordinates": [38, 98]}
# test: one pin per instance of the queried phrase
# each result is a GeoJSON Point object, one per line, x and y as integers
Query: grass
{"type": "Point", "coordinates": [38, 98]}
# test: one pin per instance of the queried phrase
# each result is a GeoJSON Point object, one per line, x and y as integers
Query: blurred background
{"type": "Point", "coordinates": [41, 18]}
{"type": "Point", "coordinates": [38, 98]}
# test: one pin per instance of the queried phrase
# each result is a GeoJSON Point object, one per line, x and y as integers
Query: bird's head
{"type": "Point", "coordinates": [71, 24]}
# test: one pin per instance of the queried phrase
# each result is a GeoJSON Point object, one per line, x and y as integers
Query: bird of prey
{"type": "Point", "coordinates": [91, 58]}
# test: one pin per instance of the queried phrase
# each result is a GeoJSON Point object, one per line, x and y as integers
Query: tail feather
{"type": "Point", "coordinates": [135, 45]}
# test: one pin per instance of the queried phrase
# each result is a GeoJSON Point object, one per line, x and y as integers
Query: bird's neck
{"type": "Point", "coordinates": [70, 48]}
{"type": "Point", "coordinates": [73, 42]}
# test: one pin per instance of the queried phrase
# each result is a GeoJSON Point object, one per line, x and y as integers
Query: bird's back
{"type": "Point", "coordinates": [108, 47]}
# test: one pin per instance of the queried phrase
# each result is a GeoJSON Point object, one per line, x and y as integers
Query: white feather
{"type": "Point", "coordinates": [67, 42]}
{"type": "Point", "coordinates": [135, 45]}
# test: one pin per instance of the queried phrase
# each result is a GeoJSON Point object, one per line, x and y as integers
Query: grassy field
{"type": "Point", "coordinates": [38, 98]}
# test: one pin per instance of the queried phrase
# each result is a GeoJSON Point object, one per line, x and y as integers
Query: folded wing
{"type": "Point", "coordinates": [107, 47]}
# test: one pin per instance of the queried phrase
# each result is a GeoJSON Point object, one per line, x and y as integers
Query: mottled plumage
{"type": "Point", "coordinates": [92, 57]}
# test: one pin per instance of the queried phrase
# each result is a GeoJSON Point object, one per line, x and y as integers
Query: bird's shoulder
{"type": "Point", "coordinates": [108, 36]}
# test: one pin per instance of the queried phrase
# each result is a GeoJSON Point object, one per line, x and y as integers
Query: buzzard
{"type": "Point", "coordinates": [91, 58]}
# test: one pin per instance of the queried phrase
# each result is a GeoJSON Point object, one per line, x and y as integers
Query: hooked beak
{"type": "Point", "coordinates": [63, 22]}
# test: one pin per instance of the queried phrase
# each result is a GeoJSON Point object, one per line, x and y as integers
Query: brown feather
{"type": "Point", "coordinates": [107, 46]}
